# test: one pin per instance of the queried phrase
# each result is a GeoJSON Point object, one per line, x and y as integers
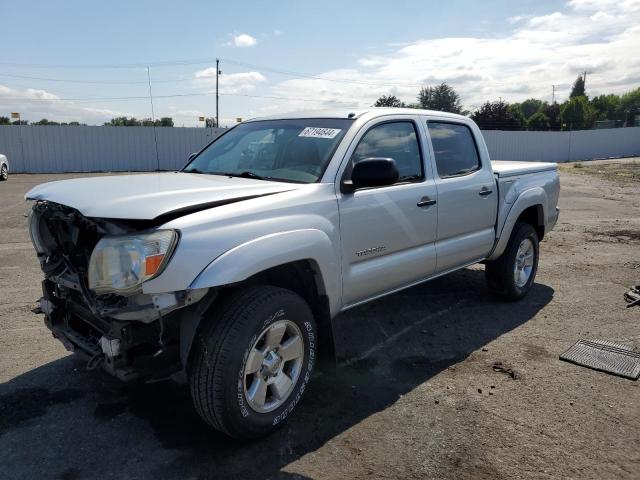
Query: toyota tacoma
{"type": "Point", "coordinates": [230, 272]}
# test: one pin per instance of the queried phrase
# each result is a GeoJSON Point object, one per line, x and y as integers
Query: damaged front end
{"type": "Point", "coordinates": [92, 292]}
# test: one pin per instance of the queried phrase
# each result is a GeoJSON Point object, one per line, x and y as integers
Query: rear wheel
{"type": "Point", "coordinates": [511, 276]}
{"type": "Point", "coordinates": [252, 361]}
{"type": "Point", "coordinates": [4, 173]}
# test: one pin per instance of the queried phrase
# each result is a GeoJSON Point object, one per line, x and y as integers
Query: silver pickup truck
{"type": "Point", "coordinates": [229, 273]}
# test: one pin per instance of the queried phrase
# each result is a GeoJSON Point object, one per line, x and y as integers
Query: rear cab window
{"type": "Point", "coordinates": [454, 148]}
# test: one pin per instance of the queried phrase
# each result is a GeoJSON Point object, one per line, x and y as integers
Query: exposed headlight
{"type": "Point", "coordinates": [120, 263]}
{"type": "Point", "coordinates": [34, 232]}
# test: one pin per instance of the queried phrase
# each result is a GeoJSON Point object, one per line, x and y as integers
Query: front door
{"type": "Point", "coordinates": [388, 233]}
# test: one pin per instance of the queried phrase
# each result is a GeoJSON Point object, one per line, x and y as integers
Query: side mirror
{"type": "Point", "coordinates": [192, 156]}
{"type": "Point", "coordinates": [371, 172]}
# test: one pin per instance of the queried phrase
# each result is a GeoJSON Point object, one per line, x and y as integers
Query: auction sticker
{"type": "Point", "coordinates": [318, 132]}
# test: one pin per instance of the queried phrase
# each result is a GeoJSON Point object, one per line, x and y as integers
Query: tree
{"type": "Point", "coordinates": [44, 121]}
{"type": "Point", "coordinates": [538, 121]}
{"type": "Point", "coordinates": [531, 106]}
{"type": "Point", "coordinates": [442, 98]}
{"type": "Point", "coordinates": [606, 107]}
{"type": "Point", "coordinates": [578, 88]}
{"type": "Point", "coordinates": [123, 122]}
{"type": "Point", "coordinates": [577, 114]}
{"type": "Point", "coordinates": [552, 111]}
{"type": "Point", "coordinates": [165, 122]}
{"type": "Point", "coordinates": [388, 101]}
{"type": "Point", "coordinates": [630, 107]}
{"type": "Point", "coordinates": [516, 110]}
{"type": "Point", "coordinates": [210, 122]}
{"type": "Point", "coordinates": [496, 116]}
{"type": "Point", "coordinates": [5, 121]}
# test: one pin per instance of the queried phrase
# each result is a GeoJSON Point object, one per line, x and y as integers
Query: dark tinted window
{"type": "Point", "coordinates": [454, 148]}
{"type": "Point", "coordinates": [395, 140]}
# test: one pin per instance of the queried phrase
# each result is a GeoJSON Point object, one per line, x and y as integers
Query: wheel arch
{"type": "Point", "coordinates": [528, 208]}
{"type": "Point", "coordinates": [302, 261]}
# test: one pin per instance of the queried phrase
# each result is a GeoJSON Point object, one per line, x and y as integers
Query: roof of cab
{"type": "Point", "coordinates": [354, 113]}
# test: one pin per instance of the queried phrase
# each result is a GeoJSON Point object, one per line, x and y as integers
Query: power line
{"type": "Point", "coordinates": [146, 97]}
{"type": "Point", "coordinates": [172, 63]}
{"type": "Point", "coordinates": [93, 82]}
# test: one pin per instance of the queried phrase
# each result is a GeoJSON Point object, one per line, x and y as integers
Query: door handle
{"type": "Point", "coordinates": [426, 202]}
{"type": "Point", "coordinates": [485, 191]}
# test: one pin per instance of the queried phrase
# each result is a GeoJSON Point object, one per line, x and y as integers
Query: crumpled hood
{"type": "Point", "coordinates": [148, 196]}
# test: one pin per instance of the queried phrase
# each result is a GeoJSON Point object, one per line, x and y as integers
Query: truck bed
{"type": "Point", "coordinates": [507, 168]}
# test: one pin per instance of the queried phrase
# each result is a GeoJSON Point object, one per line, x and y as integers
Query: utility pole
{"type": "Point", "coordinates": [217, 97]}
{"type": "Point", "coordinates": [153, 119]}
{"type": "Point", "coordinates": [553, 94]}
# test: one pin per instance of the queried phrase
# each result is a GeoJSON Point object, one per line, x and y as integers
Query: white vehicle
{"type": "Point", "coordinates": [230, 272]}
{"type": "Point", "coordinates": [4, 168]}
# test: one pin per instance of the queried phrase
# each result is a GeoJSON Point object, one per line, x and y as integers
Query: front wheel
{"type": "Point", "coordinates": [252, 361]}
{"type": "Point", "coordinates": [511, 276]}
{"type": "Point", "coordinates": [4, 173]}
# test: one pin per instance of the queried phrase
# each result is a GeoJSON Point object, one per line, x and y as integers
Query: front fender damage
{"type": "Point", "coordinates": [136, 336]}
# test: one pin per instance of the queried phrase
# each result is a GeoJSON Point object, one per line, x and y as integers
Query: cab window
{"type": "Point", "coordinates": [397, 140]}
{"type": "Point", "coordinates": [454, 149]}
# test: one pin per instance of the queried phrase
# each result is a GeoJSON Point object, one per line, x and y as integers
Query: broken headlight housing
{"type": "Point", "coordinates": [121, 263]}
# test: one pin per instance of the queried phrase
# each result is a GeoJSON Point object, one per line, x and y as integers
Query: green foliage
{"type": "Point", "coordinates": [123, 122]}
{"type": "Point", "coordinates": [496, 116]}
{"type": "Point", "coordinates": [516, 110]}
{"type": "Point", "coordinates": [133, 122]}
{"type": "Point", "coordinates": [44, 121]}
{"type": "Point", "coordinates": [630, 106]}
{"type": "Point", "coordinates": [388, 101]}
{"type": "Point", "coordinates": [552, 111]}
{"type": "Point", "coordinates": [210, 122]}
{"type": "Point", "coordinates": [5, 121]}
{"type": "Point", "coordinates": [577, 114]}
{"type": "Point", "coordinates": [442, 98]}
{"type": "Point", "coordinates": [531, 106]}
{"type": "Point", "coordinates": [607, 107]}
{"type": "Point", "coordinates": [538, 121]}
{"type": "Point", "coordinates": [578, 88]}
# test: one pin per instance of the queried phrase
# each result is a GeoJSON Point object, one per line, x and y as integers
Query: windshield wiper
{"type": "Point", "coordinates": [246, 174]}
{"type": "Point", "coordinates": [195, 170]}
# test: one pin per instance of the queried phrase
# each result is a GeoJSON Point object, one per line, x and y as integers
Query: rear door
{"type": "Point", "coordinates": [388, 233]}
{"type": "Point", "coordinates": [467, 195]}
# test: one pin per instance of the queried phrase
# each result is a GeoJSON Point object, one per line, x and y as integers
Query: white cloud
{"type": "Point", "coordinates": [277, 32]}
{"type": "Point", "coordinates": [242, 82]}
{"type": "Point", "coordinates": [34, 105]}
{"type": "Point", "coordinates": [600, 36]}
{"type": "Point", "coordinates": [244, 40]}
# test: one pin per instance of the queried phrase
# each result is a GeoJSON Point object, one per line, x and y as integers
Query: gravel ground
{"type": "Point", "coordinates": [415, 397]}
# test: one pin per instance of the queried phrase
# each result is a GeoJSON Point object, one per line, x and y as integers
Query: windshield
{"type": "Point", "coordinates": [283, 150]}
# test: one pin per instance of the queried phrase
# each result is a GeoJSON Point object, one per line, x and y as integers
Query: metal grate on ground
{"type": "Point", "coordinates": [605, 356]}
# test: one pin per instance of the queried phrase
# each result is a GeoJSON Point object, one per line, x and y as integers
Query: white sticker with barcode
{"type": "Point", "coordinates": [318, 132]}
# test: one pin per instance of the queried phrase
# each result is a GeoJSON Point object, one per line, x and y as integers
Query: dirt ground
{"type": "Point", "coordinates": [415, 397]}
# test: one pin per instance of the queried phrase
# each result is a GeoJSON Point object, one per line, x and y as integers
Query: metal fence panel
{"type": "Point", "coordinates": [56, 149]}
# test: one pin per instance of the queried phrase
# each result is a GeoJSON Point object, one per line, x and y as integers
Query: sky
{"type": "Point", "coordinates": [87, 61]}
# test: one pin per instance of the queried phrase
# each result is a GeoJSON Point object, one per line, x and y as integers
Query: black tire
{"type": "Point", "coordinates": [499, 273]}
{"type": "Point", "coordinates": [4, 173]}
{"type": "Point", "coordinates": [220, 350]}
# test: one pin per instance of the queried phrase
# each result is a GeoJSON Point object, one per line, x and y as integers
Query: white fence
{"type": "Point", "coordinates": [563, 146]}
{"type": "Point", "coordinates": [54, 149]}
